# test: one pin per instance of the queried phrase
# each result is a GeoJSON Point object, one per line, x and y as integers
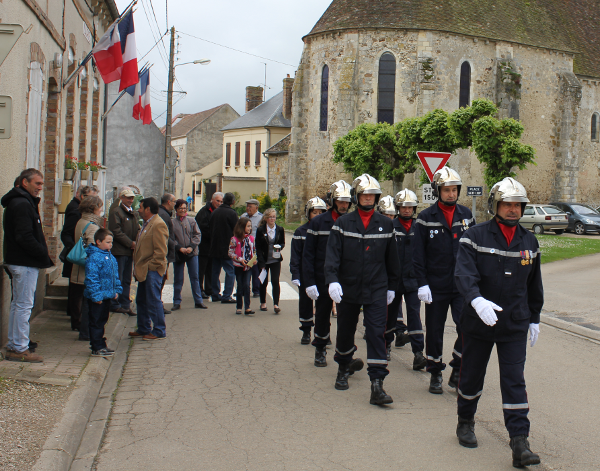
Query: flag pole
{"type": "Point", "coordinates": [146, 67]}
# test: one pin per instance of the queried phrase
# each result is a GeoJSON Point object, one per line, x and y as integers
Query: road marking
{"type": "Point", "coordinates": [167, 294]}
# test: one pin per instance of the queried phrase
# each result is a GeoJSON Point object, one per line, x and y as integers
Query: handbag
{"type": "Point", "coordinates": [77, 254]}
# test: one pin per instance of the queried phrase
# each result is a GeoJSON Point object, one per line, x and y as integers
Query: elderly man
{"type": "Point", "coordinates": [25, 253]}
{"type": "Point", "coordinates": [221, 225]}
{"type": "Point", "coordinates": [123, 223]}
{"type": "Point", "coordinates": [165, 211]}
{"type": "Point", "coordinates": [150, 259]}
{"type": "Point", "coordinates": [204, 261]}
{"type": "Point", "coordinates": [255, 216]}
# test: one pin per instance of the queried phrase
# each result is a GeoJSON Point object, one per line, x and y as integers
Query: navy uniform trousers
{"type": "Point", "coordinates": [511, 359]}
{"type": "Point", "coordinates": [435, 322]}
{"type": "Point", "coordinates": [395, 322]}
{"type": "Point", "coordinates": [305, 310]}
{"type": "Point", "coordinates": [323, 306]}
{"type": "Point", "coordinates": [375, 320]}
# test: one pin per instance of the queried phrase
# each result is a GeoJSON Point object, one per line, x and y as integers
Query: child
{"type": "Point", "coordinates": [243, 254]}
{"type": "Point", "coordinates": [101, 285]}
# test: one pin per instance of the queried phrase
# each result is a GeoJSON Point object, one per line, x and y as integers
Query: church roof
{"type": "Point", "coordinates": [267, 114]}
{"type": "Point", "coordinates": [566, 25]}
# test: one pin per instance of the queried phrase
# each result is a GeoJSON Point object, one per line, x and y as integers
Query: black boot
{"type": "Point", "coordinates": [453, 381]}
{"type": "Point", "coordinates": [389, 352]}
{"type": "Point", "coordinates": [521, 453]}
{"type": "Point", "coordinates": [305, 340]}
{"type": "Point", "coordinates": [320, 356]}
{"type": "Point", "coordinates": [355, 365]}
{"type": "Point", "coordinates": [341, 382]}
{"type": "Point", "coordinates": [419, 362]}
{"type": "Point", "coordinates": [378, 396]}
{"type": "Point", "coordinates": [435, 384]}
{"type": "Point", "coordinates": [465, 431]}
{"type": "Point", "coordinates": [402, 338]}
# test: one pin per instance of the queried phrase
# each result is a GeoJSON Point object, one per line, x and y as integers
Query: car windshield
{"type": "Point", "coordinates": [585, 210]}
{"type": "Point", "coordinates": [552, 210]}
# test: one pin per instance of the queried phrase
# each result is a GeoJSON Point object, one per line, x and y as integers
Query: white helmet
{"type": "Point", "coordinates": [406, 198]}
{"type": "Point", "coordinates": [509, 190]}
{"type": "Point", "coordinates": [445, 177]}
{"type": "Point", "coordinates": [314, 203]}
{"type": "Point", "coordinates": [365, 184]}
{"type": "Point", "coordinates": [339, 190]}
{"type": "Point", "coordinates": [386, 205]}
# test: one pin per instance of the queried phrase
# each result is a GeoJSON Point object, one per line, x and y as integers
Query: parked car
{"type": "Point", "coordinates": [544, 217]}
{"type": "Point", "coordinates": [582, 218]}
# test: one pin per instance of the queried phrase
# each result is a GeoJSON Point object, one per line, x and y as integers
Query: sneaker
{"type": "Point", "coordinates": [152, 337]}
{"type": "Point", "coordinates": [103, 352]}
{"type": "Point", "coordinates": [25, 356]}
{"type": "Point", "coordinates": [109, 350]}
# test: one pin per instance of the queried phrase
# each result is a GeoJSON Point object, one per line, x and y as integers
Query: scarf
{"type": "Point", "coordinates": [406, 224]}
{"type": "Point", "coordinates": [448, 212]}
{"type": "Point", "coordinates": [246, 249]}
{"type": "Point", "coordinates": [365, 216]}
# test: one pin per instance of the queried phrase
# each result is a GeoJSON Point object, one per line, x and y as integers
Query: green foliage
{"type": "Point", "coordinates": [240, 210]}
{"type": "Point", "coordinates": [237, 200]}
{"type": "Point", "coordinates": [265, 202]}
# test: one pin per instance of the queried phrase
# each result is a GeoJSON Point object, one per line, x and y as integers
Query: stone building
{"type": "Point", "coordinates": [278, 158]}
{"type": "Point", "coordinates": [367, 61]}
{"type": "Point", "coordinates": [43, 117]}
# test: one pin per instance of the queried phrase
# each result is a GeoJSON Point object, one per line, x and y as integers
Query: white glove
{"type": "Point", "coordinates": [424, 294]}
{"type": "Point", "coordinates": [534, 332]}
{"type": "Point", "coordinates": [296, 282]}
{"type": "Point", "coordinates": [485, 310]}
{"type": "Point", "coordinates": [335, 292]}
{"type": "Point", "coordinates": [312, 292]}
{"type": "Point", "coordinates": [390, 296]}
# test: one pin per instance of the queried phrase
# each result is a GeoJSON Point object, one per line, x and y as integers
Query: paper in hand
{"type": "Point", "coordinates": [262, 275]}
{"type": "Point", "coordinates": [252, 261]}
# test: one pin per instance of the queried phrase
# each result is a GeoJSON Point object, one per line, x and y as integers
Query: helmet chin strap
{"type": "Point", "coordinates": [448, 203]}
{"type": "Point", "coordinates": [507, 222]}
{"type": "Point", "coordinates": [406, 218]}
{"type": "Point", "coordinates": [368, 208]}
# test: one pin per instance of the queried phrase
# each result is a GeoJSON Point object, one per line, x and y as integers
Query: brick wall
{"type": "Point", "coordinates": [84, 83]}
{"type": "Point", "coordinates": [95, 118]}
{"type": "Point", "coordinates": [70, 114]}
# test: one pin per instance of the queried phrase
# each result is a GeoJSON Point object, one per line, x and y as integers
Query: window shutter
{"type": "Point", "coordinates": [257, 154]}
{"type": "Point", "coordinates": [247, 154]}
{"type": "Point", "coordinates": [228, 154]}
{"type": "Point", "coordinates": [237, 154]}
{"type": "Point", "coordinates": [465, 85]}
{"type": "Point", "coordinates": [34, 115]}
{"type": "Point", "coordinates": [386, 89]}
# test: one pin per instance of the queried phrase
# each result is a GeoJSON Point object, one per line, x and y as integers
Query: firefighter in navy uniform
{"type": "Point", "coordinates": [438, 230]}
{"type": "Point", "coordinates": [313, 263]}
{"type": "Point", "coordinates": [362, 269]}
{"type": "Point", "coordinates": [405, 203]}
{"type": "Point", "coordinates": [314, 207]}
{"type": "Point", "coordinates": [498, 273]}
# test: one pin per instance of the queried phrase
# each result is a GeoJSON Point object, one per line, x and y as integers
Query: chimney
{"type": "Point", "coordinates": [288, 85]}
{"type": "Point", "coordinates": [254, 97]}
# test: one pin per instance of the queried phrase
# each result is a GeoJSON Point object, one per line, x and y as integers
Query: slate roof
{"type": "Point", "coordinates": [269, 113]}
{"type": "Point", "coordinates": [566, 25]}
{"type": "Point", "coordinates": [281, 147]}
{"type": "Point", "coordinates": [190, 121]}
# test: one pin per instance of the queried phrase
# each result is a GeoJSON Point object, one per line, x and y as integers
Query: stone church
{"type": "Point", "coordinates": [386, 60]}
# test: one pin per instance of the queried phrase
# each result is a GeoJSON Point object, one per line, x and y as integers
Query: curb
{"type": "Point", "coordinates": [570, 327]}
{"type": "Point", "coordinates": [62, 444]}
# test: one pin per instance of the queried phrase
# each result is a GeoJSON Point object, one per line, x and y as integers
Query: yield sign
{"type": "Point", "coordinates": [433, 161]}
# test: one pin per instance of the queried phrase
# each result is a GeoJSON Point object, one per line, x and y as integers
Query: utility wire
{"type": "Point", "coordinates": [233, 49]}
{"type": "Point", "coordinates": [155, 44]}
{"type": "Point", "coordinates": [176, 101]}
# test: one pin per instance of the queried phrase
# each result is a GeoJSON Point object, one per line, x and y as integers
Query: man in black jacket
{"type": "Point", "coordinates": [25, 253]}
{"type": "Point", "coordinates": [204, 260]}
{"type": "Point", "coordinates": [165, 211]}
{"type": "Point", "coordinates": [362, 269]}
{"type": "Point", "coordinates": [221, 225]}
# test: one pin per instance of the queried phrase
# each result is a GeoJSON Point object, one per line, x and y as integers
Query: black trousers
{"type": "Point", "coordinates": [305, 309]}
{"type": "Point", "coordinates": [255, 281]}
{"type": "Point", "coordinates": [205, 273]}
{"type": "Point", "coordinates": [375, 319]}
{"type": "Point", "coordinates": [323, 306]}
{"type": "Point", "coordinates": [74, 303]}
{"type": "Point", "coordinates": [511, 359]}
{"type": "Point", "coordinates": [275, 270]}
{"type": "Point", "coordinates": [395, 322]}
{"type": "Point", "coordinates": [98, 317]}
{"type": "Point", "coordinates": [435, 321]}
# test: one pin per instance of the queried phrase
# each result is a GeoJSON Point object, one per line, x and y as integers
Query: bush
{"type": "Point", "coordinates": [265, 202]}
{"type": "Point", "coordinates": [240, 210]}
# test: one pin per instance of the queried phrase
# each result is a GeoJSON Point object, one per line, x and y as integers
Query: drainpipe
{"type": "Point", "coordinates": [266, 158]}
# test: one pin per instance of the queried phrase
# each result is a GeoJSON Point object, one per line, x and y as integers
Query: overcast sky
{"type": "Point", "coordinates": [269, 28]}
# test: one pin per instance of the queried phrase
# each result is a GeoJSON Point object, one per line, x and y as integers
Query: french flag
{"type": "Point", "coordinates": [108, 56]}
{"type": "Point", "coordinates": [141, 99]}
{"type": "Point", "coordinates": [129, 72]}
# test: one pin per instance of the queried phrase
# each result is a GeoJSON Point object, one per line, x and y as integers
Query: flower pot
{"type": "Point", "coordinates": [94, 175]}
{"type": "Point", "coordinates": [69, 174]}
{"type": "Point", "coordinates": [85, 174]}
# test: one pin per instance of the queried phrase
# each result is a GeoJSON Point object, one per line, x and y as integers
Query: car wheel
{"type": "Point", "coordinates": [579, 229]}
{"type": "Point", "coordinates": [538, 229]}
{"type": "Point", "coordinates": [559, 232]}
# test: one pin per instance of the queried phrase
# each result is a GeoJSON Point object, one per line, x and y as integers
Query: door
{"type": "Point", "coordinates": [210, 189]}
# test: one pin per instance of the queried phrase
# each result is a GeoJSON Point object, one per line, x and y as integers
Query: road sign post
{"type": "Point", "coordinates": [474, 191]}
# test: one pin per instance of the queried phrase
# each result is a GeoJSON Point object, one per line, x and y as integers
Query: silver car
{"type": "Point", "coordinates": [544, 217]}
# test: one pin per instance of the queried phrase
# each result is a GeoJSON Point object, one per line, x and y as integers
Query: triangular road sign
{"type": "Point", "coordinates": [8, 37]}
{"type": "Point", "coordinates": [433, 161]}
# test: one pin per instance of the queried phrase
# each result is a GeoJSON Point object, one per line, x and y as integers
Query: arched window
{"type": "Point", "coordinates": [464, 98]}
{"type": "Point", "coordinates": [386, 88]}
{"type": "Point", "coordinates": [324, 98]}
{"type": "Point", "coordinates": [595, 127]}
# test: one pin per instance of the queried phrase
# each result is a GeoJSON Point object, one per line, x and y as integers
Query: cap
{"type": "Point", "coordinates": [253, 201]}
{"type": "Point", "coordinates": [127, 193]}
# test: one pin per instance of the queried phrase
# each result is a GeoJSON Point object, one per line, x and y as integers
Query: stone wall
{"type": "Point", "coordinates": [278, 174]}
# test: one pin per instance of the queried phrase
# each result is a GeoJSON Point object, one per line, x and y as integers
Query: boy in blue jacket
{"type": "Point", "coordinates": [101, 285]}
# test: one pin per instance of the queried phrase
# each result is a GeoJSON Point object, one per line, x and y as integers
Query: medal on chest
{"type": "Point", "coordinates": [526, 257]}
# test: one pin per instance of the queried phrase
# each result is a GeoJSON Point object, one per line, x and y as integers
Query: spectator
{"type": "Point", "coordinates": [204, 260]}
{"type": "Point", "coordinates": [189, 200]}
{"type": "Point", "coordinates": [123, 223]}
{"type": "Point", "coordinates": [255, 216]}
{"type": "Point", "coordinates": [165, 211]}
{"type": "Point", "coordinates": [150, 261]}
{"type": "Point", "coordinates": [91, 220]}
{"type": "Point", "coordinates": [101, 285]}
{"type": "Point", "coordinates": [117, 201]}
{"type": "Point", "coordinates": [187, 238]}
{"type": "Point", "coordinates": [268, 236]}
{"type": "Point", "coordinates": [221, 225]}
{"type": "Point", "coordinates": [243, 252]}
{"type": "Point", "coordinates": [25, 253]}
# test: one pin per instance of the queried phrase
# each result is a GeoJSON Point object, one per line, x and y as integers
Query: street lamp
{"type": "Point", "coordinates": [198, 61]}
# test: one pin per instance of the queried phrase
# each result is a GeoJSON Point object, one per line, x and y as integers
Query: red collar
{"type": "Point", "coordinates": [508, 232]}
{"type": "Point", "coordinates": [334, 215]}
{"type": "Point", "coordinates": [448, 212]}
{"type": "Point", "coordinates": [406, 224]}
{"type": "Point", "coordinates": [365, 216]}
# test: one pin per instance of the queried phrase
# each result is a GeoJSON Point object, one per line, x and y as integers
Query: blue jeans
{"type": "Point", "coordinates": [227, 265]}
{"type": "Point", "coordinates": [243, 287]}
{"type": "Point", "coordinates": [150, 309]}
{"type": "Point", "coordinates": [192, 266]}
{"type": "Point", "coordinates": [125, 264]}
{"type": "Point", "coordinates": [24, 282]}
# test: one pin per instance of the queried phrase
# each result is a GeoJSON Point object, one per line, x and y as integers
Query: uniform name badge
{"type": "Point", "coordinates": [525, 257]}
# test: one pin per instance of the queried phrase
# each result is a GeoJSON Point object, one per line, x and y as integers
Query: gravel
{"type": "Point", "coordinates": [28, 413]}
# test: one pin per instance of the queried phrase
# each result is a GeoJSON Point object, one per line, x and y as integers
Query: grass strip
{"type": "Point", "coordinates": [561, 248]}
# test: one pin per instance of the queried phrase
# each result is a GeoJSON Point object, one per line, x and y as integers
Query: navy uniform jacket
{"type": "Point", "coordinates": [506, 275]}
{"type": "Point", "coordinates": [405, 244]}
{"type": "Point", "coordinates": [364, 261]}
{"type": "Point", "coordinates": [315, 247]}
{"type": "Point", "coordinates": [297, 248]}
{"type": "Point", "coordinates": [436, 246]}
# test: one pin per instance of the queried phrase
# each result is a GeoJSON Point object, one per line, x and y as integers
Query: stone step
{"type": "Point", "coordinates": [55, 303]}
{"type": "Point", "coordinates": [57, 290]}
